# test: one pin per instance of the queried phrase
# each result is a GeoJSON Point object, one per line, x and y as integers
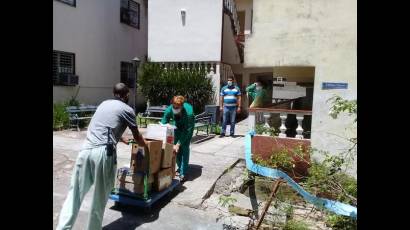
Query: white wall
{"type": "Point", "coordinates": [198, 40]}
{"type": "Point", "coordinates": [93, 31]}
{"type": "Point", "coordinates": [230, 52]}
{"type": "Point", "coordinates": [317, 33]}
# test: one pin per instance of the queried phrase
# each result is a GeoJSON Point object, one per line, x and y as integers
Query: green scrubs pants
{"type": "Point", "coordinates": [93, 166]}
{"type": "Point", "coordinates": [183, 159]}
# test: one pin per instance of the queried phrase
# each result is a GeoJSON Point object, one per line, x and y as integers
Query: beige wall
{"type": "Point", "coordinates": [317, 33]}
{"type": "Point", "coordinates": [93, 31]}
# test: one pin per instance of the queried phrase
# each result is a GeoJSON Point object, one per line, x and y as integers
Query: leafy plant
{"type": "Point", "coordinates": [326, 179]}
{"type": "Point", "coordinates": [226, 200]}
{"type": "Point", "coordinates": [337, 222]}
{"type": "Point", "coordinates": [159, 85]}
{"type": "Point", "coordinates": [217, 129]}
{"type": "Point", "coordinates": [261, 129]}
{"type": "Point", "coordinates": [295, 225]}
{"type": "Point", "coordinates": [60, 116]}
{"type": "Point", "coordinates": [340, 105]}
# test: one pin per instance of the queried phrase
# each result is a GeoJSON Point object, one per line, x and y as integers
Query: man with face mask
{"type": "Point", "coordinates": [96, 163]}
{"type": "Point", "coordinates": [259, 95]}
{"type": "Point", "coordinates": [229, 104]}
{"type": "Point", "coordinates": [181, 115]}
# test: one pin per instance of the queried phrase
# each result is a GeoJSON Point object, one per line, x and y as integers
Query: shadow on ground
{"type": "Point", "coordinates": [132, 216]}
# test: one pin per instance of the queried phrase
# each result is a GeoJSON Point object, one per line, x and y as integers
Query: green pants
{"type": "Point", "coordinates": [183, 159]}
{"type": "Point", "coordinates": [93, 166]}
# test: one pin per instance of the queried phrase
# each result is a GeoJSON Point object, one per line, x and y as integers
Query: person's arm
{"type": "Point", "coordinates": [251, 90]}
{"type": "Point", "coordinates": [221, 99]}
{"type": "Point", "coordinates": [167, 115]}
{"type": "Point", "coordinates": [129, 118]}
{"type": "Point", "coordinates": [190, 123]}
{"type": "Point", "coordinates": [138, 137]}
{"type": "Point", "coordinates": [238, 100]}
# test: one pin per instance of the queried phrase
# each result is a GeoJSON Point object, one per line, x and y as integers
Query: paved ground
{"type": "Point", "coordinates": [181, 210]}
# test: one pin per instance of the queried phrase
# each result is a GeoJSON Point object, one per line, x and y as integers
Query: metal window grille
{"type": "Point", "coordinates": [63, 62]}
{"type": "Point", "coordinates": [128, 74]}
{"type": "Point", "coordinates": [130, 13]}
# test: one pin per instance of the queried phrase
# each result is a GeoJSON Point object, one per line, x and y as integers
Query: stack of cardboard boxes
{"type": "Point", "coordinates": [156, 161]}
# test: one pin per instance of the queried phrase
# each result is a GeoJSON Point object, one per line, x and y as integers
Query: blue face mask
{"type": "Point", "coordinates": [230, 83]}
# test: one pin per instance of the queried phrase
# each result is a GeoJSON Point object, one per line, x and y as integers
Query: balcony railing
{"type": "Point", "coordinates": [283, 114]}
{"type": "Point", "coordinates": [230, 8]}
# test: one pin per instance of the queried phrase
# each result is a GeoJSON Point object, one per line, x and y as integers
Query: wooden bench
{"type": "Point", "coordinates": [76, 114]}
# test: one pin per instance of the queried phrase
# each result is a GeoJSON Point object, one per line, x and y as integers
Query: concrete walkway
{"type": "Point", "coordinates": [180, 210]}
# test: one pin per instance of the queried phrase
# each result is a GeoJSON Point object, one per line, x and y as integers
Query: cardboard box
{"type": "Point", "coordinates": [167, 154]}
{"type": "Point", "coordinates": [163, 179]}
{"type": "Point", "coordinates": [161, 132]}
{"type": "Point", "coordinates": [148, 158]}
{"type": "Point", "coordinates": [132, 182]}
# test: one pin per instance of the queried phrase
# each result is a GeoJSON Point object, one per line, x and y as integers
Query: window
{"type": "Point", "coordinates": [63, 63]}
{"type": "Point", "coordinates": [128, 74]}
{"type": "Point", "coordinates": [68, 2]}
{"type": "Point", "coordinates": [130, 13]}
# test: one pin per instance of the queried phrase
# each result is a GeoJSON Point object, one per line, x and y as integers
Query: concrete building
{"type": "Point", "coordinates": [96, 41]}
{"type": "Point", "coordinates": [312, 42]}
{"type": "Point", "coordinates": [192, 32]}
{"type": "Point", "coordinates": [307, 42]}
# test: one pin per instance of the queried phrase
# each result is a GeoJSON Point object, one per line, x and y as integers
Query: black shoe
{"type": "Point", "coordinates": [182, 179]}
{"type": "Point", "coordinates": [233, 136]}
{"type": "Point", "coordinates": [222, 135]}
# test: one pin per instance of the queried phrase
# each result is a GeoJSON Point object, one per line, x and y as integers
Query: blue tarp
{"type": "Point", "coordinates": [334, 206]}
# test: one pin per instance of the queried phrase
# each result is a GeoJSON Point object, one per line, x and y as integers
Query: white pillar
{"type": "Point", "coordinates": [299, 129]}
{"type": "Point", "coordinates": [216, 82]}
{"type": "Point", "coordinates": [266, 116]}
{"type": "Point", "coordinates": [251, 121]}
{"type": "Point", "coordinates": [283, 128]}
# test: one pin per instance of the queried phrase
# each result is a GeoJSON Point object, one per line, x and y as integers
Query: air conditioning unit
{"type": "Point", "coordinates": [67, 79]}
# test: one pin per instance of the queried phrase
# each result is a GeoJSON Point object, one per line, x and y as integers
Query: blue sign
{"type": "Point", "coordinates": [334, 85]}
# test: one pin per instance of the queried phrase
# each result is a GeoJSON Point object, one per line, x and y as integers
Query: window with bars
{"type": "Point", "coordinates": [63, 62]}
{"type": "Point", "coordinates": [128, 74]}
{"type": "Point", "coordinates": [68, 2]}
{"type": "Point", "coordinates": [130, 13]}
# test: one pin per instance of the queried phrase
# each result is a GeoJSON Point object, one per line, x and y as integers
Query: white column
{"type": "Point", "coordinates": [251, 121]}
{"type": "Point", "coordinates": [283, 128]}
{"type": "Point", "coordinates": [299, 129]}
{"type": "Point", "coordinates": [266, 116]}
{"type": "Point", "coordinates": [216, 82]}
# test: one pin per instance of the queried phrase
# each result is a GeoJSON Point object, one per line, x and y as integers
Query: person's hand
{"type": "Point", "coordinates": [176, 149]}
{"type": "Point", "coordinates": [238, 110]}
{"type": "Point", "coordinates": [221, 108]}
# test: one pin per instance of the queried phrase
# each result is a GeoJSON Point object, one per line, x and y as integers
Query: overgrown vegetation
{"type": "Point", "coordinates": [159, 85]}
{"type": "Point", "coordinates": [295, 225]}
{"type": "Point", "coordinates": [60, 115]}
{"type": "Point", "coordinates": [283, 159]}
{"type": "Point", "coordinates": [326, 178]}
{"type": "Point", "coordinates": [260, 129]}
{"type": "Point", "coordinates": [226, 200]}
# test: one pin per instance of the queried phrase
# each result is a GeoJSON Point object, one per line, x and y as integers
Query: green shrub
{"type": "Point", "coordinates": [337, 222]}
{"type": "Point", "coordinates": [295, 225]}
{"type": "Point", "coordinates": [159, 85]}
{"type": "Point", "coordinates": [60, 116]}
